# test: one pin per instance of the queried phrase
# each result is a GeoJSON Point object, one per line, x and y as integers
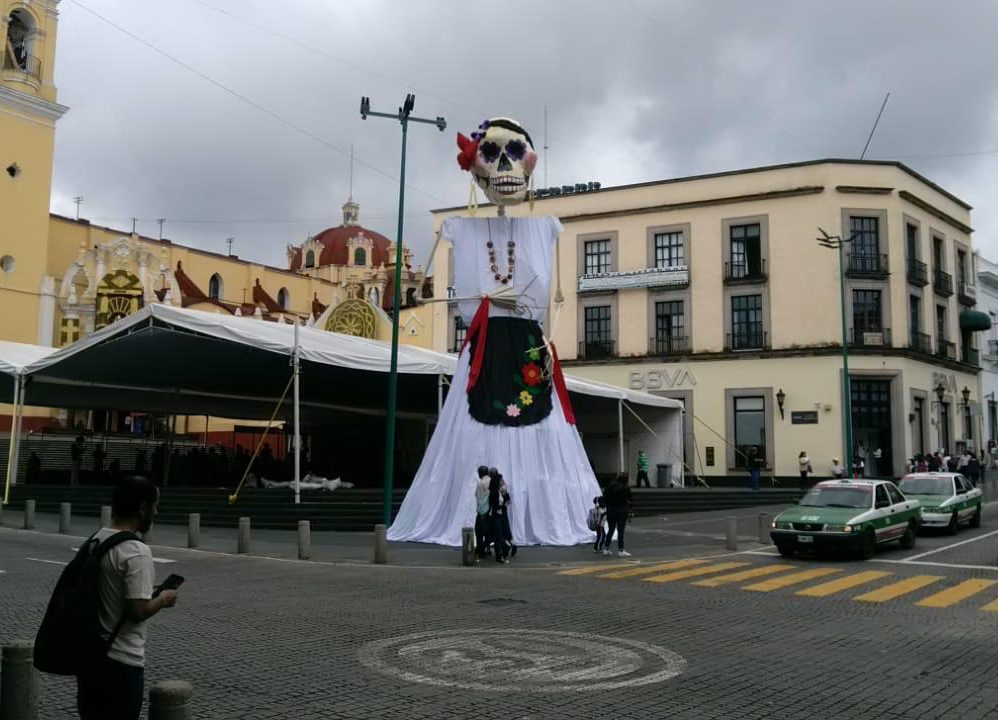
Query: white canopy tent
{"type": "Point", "coordinates": [170, 360]}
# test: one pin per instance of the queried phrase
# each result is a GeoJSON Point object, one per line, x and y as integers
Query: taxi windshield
{"type": "Point", "coordinates": [857, 496]}
{"type": "Point", "coordinates": [927, 486]}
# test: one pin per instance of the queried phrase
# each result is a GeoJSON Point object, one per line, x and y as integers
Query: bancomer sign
{"type": "Point", "coordinates": [664, 379]}
{"type": "Point", "coordinates": [649, 277]}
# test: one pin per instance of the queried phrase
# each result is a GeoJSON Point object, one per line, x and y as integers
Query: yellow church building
{"type": "Point", "coordinates": [63, 278]}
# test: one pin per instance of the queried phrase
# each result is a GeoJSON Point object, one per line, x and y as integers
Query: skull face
{"type": "Point", "coordinates": [504, 162]}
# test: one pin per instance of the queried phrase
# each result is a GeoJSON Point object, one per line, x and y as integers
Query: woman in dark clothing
{"type": "Point", "coordinates": [617, 497]}
{"type": "Point", "coordinates": [496, 511]}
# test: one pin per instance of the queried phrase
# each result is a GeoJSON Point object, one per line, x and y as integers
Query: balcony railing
{"type": "Point", "coordinates": [971, 356]}
{"type": "Point", "coordinates": [864, 337]}
{"type": "Point", "coordinates": [27, 64]}
{"type": "Point", "coordinates": [451, 292]}
{"type": "Point", "coordinates": [918, 272]}
{"type": "Point", "coordinates": [945, 349]}
{"type": "Point", "coordinates": [596, 349]}
{"type": "Point", "coordinates": [670, 345]}
{"type": "Point", "coordinates": [966, 293]}
{"type": "Point", "coordinates": [867, 265]}
{"type": "Point", "coordinates": [736, 273]}
{"type": "Point", "coordinates": [748, 339]}
{"type": "Point", "coordinates": [942, 283]}
{"type": "Point", "coordinates": [921, 342]}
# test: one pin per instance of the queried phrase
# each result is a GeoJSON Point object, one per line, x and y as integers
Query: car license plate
{"type": "Point", "coordinates": [805, 538]}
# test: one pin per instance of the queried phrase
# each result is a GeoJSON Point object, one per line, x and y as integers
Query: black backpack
{"type": "Point", "coordinates": [69, 638]}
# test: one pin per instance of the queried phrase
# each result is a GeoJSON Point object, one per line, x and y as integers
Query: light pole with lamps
{"type": "Point", "coordinates": [835, 242]}
{"type": "Point", "coordinates": [940, 392]}
{"type": "Point", "coordinates": [404, 116]}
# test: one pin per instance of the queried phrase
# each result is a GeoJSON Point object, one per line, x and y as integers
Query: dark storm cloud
{"type": "Point", "coordinates": [636, 90]}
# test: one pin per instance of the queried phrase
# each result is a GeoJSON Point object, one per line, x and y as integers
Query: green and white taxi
{"type": "Point", "coordinates": [854, 515]}
{"type": "Point", "coordinates": [947, 499]}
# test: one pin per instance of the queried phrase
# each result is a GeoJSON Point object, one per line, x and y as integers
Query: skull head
{"type": "Point", "coordinates": [504, 160]}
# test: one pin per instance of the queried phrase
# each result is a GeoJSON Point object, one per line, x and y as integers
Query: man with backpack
{"type": "Point", "coordinates": [95, 626]}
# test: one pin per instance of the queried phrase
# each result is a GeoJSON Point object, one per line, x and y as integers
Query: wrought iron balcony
{"type": "Point", "coordinates": [966, 293]}
{"type": "Point", "coordinates": [942, 283]}
{"type": "Point", "coordinates": [670, 345]}
{"type": "Point", "coordinates": [865, 337]}
{"type": "Point", "coordinates": [945, 349]}
{"type": "Point", "coordinates": [596, 349]}
{"type": "Point", "coordinates": [918, 272]}
{"type": "Point", "coordinates": [871, 265]}
{"type": "Point", "coordinates": [672, 276]}
{"type": "Point", "coordinates": [750, 338]}
{"type": "Point", "coordinates": [749, 272]}
{"type": "Point", "coordinates": [921, 342]}
{"type": "Point", "coordinates": [971, 356]}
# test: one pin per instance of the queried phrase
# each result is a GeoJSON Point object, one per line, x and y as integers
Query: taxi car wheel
{"type": "Point", "coordinates": [908, 539]}
{"type": "Point", "coordinates": [785, 550]}
{"type": "Point", "coordinates": [975, 521]}
{"type": "Point", "coordinates": [954, 524]}
{"type": "Point", "coordinates": [869, 547]}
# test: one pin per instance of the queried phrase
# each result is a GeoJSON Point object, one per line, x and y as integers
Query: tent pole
{"type": "Point", "coordinates": [440, 395]}
{"type": "Point", "coordinates": [620, 432]}
{"type": "Point", "coordinates": [296, 360]}
{"type": "Point", "coordinates": [17, 438]}
{"type": "Point", "coordinates": [13, 436]}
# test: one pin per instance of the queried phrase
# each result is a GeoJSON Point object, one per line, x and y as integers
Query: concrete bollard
{"type": "Point", "coordinates": [764, 524]}
{"type": "Point", "coordinates": [243, 542]}
{"type": "Point", "coordinates": [304, 539]}
{"type": "Point", "coordinates": [171, 700]}
{"type": "Point", "coordinates": [65, 517]}
{"type": "Point", "coordinates": [467, 546]}
{"type": "Point", "coordinates": [193, 530]}
{"type": "Point", "coordinates": [380, 544]}
{"type": "Point", "coordinates": [18, 682]}
{"type": "Point", "coordinates": [29, 514]}
{"type": "Point", "coordinates": [105, 516]}
{"type": "Point", "coordinates": [731, 534]}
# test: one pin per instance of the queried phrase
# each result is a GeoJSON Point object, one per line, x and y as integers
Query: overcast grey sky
{"type": "Point", "coordinates": [247, 130]}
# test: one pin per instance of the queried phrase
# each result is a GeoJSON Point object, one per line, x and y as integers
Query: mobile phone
{"type": "Point", "coordinates": [172, 582]}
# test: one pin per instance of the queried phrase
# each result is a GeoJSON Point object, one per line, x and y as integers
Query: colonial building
{"type": "Point", "coordinates": [715, 290]}
{"type": "Point", "coordinates": [987, 299]}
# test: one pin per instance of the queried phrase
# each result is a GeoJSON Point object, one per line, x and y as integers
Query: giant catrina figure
{"type": "Point", "coordinates": [507, 407]}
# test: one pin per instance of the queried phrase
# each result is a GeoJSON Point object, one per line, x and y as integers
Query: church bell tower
{"type": "Point", "coordinates": [28, 114]}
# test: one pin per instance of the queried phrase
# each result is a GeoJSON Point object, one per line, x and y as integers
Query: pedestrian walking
{"type": "Point", "coordinates": [113, 686]}
{"type": "Point", "coordinates": [804, 463]}
{"type": "Point", "coordinates": [619, 502]}
{"type": "Point", "coordinates": [76, 460]}
{"type": "Point", "coordinates": [973, 472]}
{"type": "Point", "coordinates": [643, 469]}
{"type": "Point", "coordinates": [753, 464]}
{"type": "Point", "coordinates": [507, 531]}
{"type": "Point", "coordinates": [482, 512]}
{"type": "Point", "coordinates": [597, 523]}
{"type": "Point", "coordinates": [496, 511]}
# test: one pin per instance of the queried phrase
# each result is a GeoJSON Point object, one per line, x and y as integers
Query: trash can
{"type": "Point", "coordinates": [663, 476]}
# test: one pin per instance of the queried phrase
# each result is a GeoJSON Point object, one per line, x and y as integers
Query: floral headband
{"type": "Point", "coordinates": [469, 146]}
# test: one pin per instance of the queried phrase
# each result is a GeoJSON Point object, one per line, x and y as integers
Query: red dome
{"type": "Point", "coordinates": [334, 247]}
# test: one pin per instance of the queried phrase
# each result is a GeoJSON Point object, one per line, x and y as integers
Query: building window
{"type": "Point", "coordinates": [597, 332]}
{"type": "Point", "coordinates": [941, 321]}
{"type": "Point", "coordinates": [966, 423]}
{"type": "Point", "coordinates": [866, 316]}
{"type": "Point", "coordinates": [670, 327]}
{"type": "Point", "coordinates": [216, 288]}
{"type": "Point", "coordinates": [597, 257]}
{"type": "Point", "coordinates": [937, 253]}
{"type": "Point", "coordinates": [993, 420]}
{"type": "Point", "coordinates": [359, 257]}
{"type": "Point", "coordinates": [961, 269]}
{"type": "Point", "coordinates": [911, 240]}
{"type": "Point", "coordinates": [310, 259]}
{"type": "Point", "coordinates": [746, 250]}
{"type": "Point", "coordinates": [284, 299]}
{"type": "Point", "coordinates": [746, 322]}
{"type": "Point", "coordinates": [750, 428]}
{"type": "Point", "coordinates": [865, 234]}
{"type": "Point", "coordinates": [460, 333]}
{"type": "Point", "coordinates": [919, 405]}
{"type": "Point", "coordinates": [669, 250]}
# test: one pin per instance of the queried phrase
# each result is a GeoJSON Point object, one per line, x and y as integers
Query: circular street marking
{"type": "Point", "coordinates": [521, 660]}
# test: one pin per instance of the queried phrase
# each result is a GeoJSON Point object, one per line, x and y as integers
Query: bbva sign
{"type": "Point", "coordinates": [664, 379]}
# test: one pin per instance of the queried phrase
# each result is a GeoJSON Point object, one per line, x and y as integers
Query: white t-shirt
{"type": "Point", "coordinates": [127, 573]}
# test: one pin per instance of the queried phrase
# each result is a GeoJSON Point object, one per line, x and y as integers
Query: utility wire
{"type": "Point", "coordinates": [270, 113]}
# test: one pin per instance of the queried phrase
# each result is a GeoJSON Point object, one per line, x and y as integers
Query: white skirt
{"type": "Point", "coordinates": [551, 483]}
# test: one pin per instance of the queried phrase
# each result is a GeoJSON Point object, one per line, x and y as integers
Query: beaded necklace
{"type": "Point", "coordinates": [510, 255]}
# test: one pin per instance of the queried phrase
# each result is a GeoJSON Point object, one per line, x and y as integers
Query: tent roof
{"type": "Point", "coordinates": [14, 356]}
{"type": "Point", "coordinates": [174, 360]}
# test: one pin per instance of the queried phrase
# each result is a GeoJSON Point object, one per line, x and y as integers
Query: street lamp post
{"type": "Point", "coordinates": [404, 116]}
{"type": "Point", "coordinates": [836, 242]}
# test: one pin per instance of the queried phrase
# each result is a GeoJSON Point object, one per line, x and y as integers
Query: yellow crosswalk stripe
{"type": "Point", "coordinates": [957, 593]}
{"type": "Point", "coordinates": [591, 569]}
{"type": "Point", "coordinates": [902, 587]}
{"type": "Point", "coordinates": [742, 575]}
{"type": "Point", "coordinates": [849, 581]}
{"type": "Point", "coordinates": [649, 569]}
{"type": "Point", "coordinates": [792, 579]}
{"type": "Point", "coordinates": [694, 572]}
{"type": "Point", "coordinates": [991, 606]}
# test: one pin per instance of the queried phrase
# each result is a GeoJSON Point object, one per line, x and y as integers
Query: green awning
{"type": "Point", "coordinates": [974, 320]}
